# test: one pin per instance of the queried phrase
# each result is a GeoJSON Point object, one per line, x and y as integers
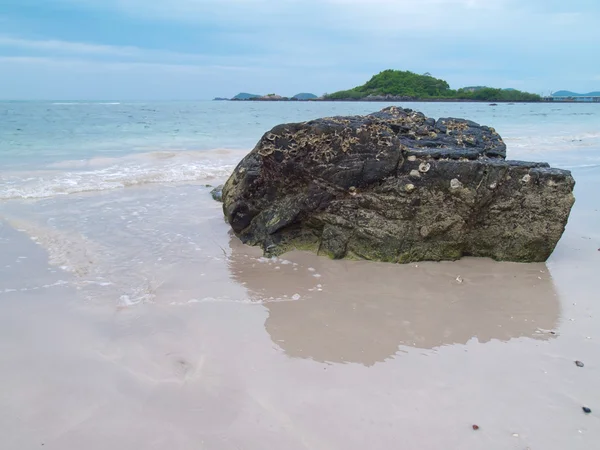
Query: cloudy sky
{"type": "Point", "coordinates": [198, 49]}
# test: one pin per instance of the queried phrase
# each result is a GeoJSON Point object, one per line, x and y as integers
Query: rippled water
{"type": "Point", "coordinates": [49, 149]}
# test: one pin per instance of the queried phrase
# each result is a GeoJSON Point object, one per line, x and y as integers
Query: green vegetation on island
{"type": "Point", "coordinates": [305, 96]}
{"type": "Point", "coordinates": [406, 85]}
{"type": "Point", "coordinates": [489, 94]}
{"type": "Point", "coordinates": [245, 96]}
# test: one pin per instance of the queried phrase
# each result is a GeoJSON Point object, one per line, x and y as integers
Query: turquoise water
{"type": "Point", "coordinates": [57, 148]}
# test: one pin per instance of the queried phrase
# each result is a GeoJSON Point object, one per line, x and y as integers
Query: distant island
{"type": "Point", "coordinates": [398, 85]}
{"type": "Point", "coordinates": [575, 94]}
{"type": "Point", "coordinates": [405, 86]}
{"type": "Point", "coordinates": [244, 96]}
{"type": "Point", "coordinates": [305, 96]}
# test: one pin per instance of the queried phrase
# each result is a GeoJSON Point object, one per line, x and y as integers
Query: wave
{"type": "Point", "coordinates": [549, 143]}
{"type": "Point", "coordinates": [86, 103]}
{"type": "Point", "coordinates": [214, 166]}
{"type": "Point", "coordinates": [102, 174]}
{"type": "Point", "coordinates": [581, 166]}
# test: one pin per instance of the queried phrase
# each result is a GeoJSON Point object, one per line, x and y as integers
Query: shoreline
{"type": "Point", "coordinates": [387, 100]}
{"type": "Point", "coordinates": [404, 100]}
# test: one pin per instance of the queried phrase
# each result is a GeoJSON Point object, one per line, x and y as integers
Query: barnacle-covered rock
{"type": "Point", "coordinates": [396, 186]}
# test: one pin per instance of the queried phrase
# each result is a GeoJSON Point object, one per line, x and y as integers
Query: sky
{"type": "Point", "coordinates": [200, 49]}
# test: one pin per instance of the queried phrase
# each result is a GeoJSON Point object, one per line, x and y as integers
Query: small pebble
{"type": "Point", "coordinates": [476, 427]}
{"type": "Point", "coordinates": [586, 410]}
{"type": "Point", "coordinates": [579, 364]}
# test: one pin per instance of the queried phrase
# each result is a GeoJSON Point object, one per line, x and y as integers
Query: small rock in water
{"type": "Point", "coordinates": [217, 193]}
{"type": "Point", "coordinates": [586, 410]}
{"type": "Point", "coordinates": [476, 427]}
{"type": "Point", "coordinates": [579, 364]}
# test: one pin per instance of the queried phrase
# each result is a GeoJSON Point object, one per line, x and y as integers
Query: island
{"type": "Point", "coordinates": [574, 97]}
{"type": "Point", "coordinates": [406, 86]}
{"type": "Point", "coordinates": [243, 96]}
{"type": "Point", "coordinates": [575, 94]}
{"type": "Point", "coordinates": [270, 98]}
{"type": "Point", "coordinates": [398, 85]}
{"type": "Point", "coordinates": [305, 96]}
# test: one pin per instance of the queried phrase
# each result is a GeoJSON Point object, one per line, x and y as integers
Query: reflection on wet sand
{"type": "Point", "coordinates": [362, 312]}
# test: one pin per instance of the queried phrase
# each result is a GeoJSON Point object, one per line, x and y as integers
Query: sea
{"type": "Point", "coordinates": [50, 149]}
{"type": "Point", "coordinates": [131, 316]}
{"type": "Point", "coordinates": [117, 194]}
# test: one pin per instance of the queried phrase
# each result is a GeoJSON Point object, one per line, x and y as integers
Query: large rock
{"type": "Point", "coordinates": [396, 186]}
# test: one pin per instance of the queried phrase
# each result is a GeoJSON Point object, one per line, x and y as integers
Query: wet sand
{"type": "Point", "coordinates": [133, 319]}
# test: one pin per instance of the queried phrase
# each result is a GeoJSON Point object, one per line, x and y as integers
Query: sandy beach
{"type": "Point", "coordinates": [185, 338]}
{"type": "Point", "coordinates": [133, 314]}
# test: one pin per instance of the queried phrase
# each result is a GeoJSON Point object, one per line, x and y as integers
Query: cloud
{"type": "Point", "coordinates": [349, 14]}
{"type": "Point", "coordinates": [51, 78]}
{"type": "Point", "coordinates": [62, 47]}
{"type": "Point", "coordinates": [374, 24]}
{"type": "Point", "coordinates": [53, 48]}
{"type": "Point", "coordinates": [322, 45]}
{"type": "Point", "coordinates": [497, 22]}
{"type": "Point", "coordinates": [94, 65]}
{"type": "Point", "coordinates": [59, 46]}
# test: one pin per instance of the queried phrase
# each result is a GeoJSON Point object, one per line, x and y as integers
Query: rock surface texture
{"type": "Point", "coordinates": [396, 186]}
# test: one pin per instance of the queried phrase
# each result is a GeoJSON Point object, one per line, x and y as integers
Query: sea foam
{"type": "Point", "coordinates": [102, 174]}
